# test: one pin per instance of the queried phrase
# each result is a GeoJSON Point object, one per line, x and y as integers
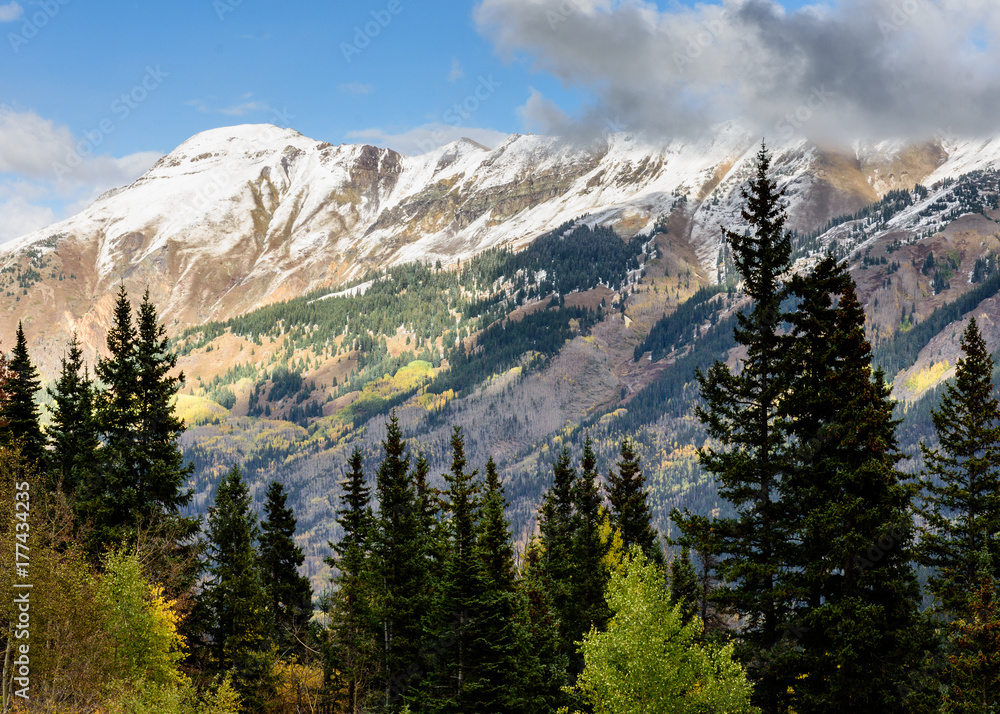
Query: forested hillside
{"type": "Point", "coordinates": [735, 523]}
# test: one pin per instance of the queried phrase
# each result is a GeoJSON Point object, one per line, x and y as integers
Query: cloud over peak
{"type": "Point", "coordinates": [853, 69]}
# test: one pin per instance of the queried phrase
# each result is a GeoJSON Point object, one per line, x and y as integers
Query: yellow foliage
{"type": "Point", "coordinates": [614, 560]}
{"type": "Point", "coordinates": [928, 377]}
{"type": "Point", "coordinates": [195, 411]}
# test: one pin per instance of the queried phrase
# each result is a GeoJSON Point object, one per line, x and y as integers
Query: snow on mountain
{"type": "Point", "coordinates": [242, 216]}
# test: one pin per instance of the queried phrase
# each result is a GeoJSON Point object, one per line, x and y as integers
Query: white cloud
{"type": "Point", "coordinates": [541, 115]}
{"type": "Point", "coordinates": [356, 88]}
{"type": "Point", "coordinates": [854, 68]}
{"type": "Point", "coordinates": [240, 108]}
{"type": "Point", "coordinates": [47, 173]}
{"type": "Point", "coordinates": [456, 72]}
{"type": "Point", "coordinates": [10, 12]}
{"type": "Point", "coordinates": [428, 137]}
{"type": "Point", "coordinates": [20, 216]}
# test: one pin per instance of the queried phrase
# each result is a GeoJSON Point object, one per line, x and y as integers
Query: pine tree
{"type": "Point", "coordinates": [588, 553]}
{"type": "Point", "coordinates": [974, 671]}
{"type": "Point", "coordinates": [962, 480]}
{"type": "Point", "coordinates": [400, 560]}
{"type": "Point", "coordinates": [73, 430]}
{"type": "Point", "coordinates": [854, 624]}
{"type": "Point", "coordinates": [556, 525]}
{"type": "Point", "coordinates": [142, 482]}
{"type": "Point", "coordinates": [461, 605]}
{"type": "Point", "coordinates": [289, 593]}
{"type": "Point", "coordinates": [683, 582]}
{"type": "Point", "coordinates": [241, 632]}
{"type": "Point", "coordinates": [544, 666]}
{"type": "Point", "coordinates": [629, 509]}
{"type": "Point", "coordinates": [498, 639]}
{"type": "Point", "coordinates": [741, 412]}
{"type": "Point", "coordinates": [159, 466]}
{"type": "Point", "coordinates": [19, 412]}
{"type": "Point", "coordinates": [354, 648]}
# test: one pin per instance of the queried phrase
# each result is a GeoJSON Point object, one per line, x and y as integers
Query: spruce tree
{"type": "Point", "coordinates": [462, 593]}
{"type": "Point", "coordinates": [19, 412]}
{"type": "Point", "coordinates": [629, 508]}
{"type": "Point", "coordinates": [400, 561]}
{"type": "Point", "coordinates": [289, 593]}
{"type": "Point", "coordinates": [142, 484]}
{"type": "Point", "coordinates": [683, 582]}
{"type": "Point", "coordinates": [974, 665]}
{"type": "Point", "coordinates": [588, 553]}
{"type": "Point", "coordinates": [961, 482]}
{"type": "Point", "coordinates": [854, 625]}
{"type": "Point", "coordinates": [354, 649]}
{"type": "Point", "coordinates": [498, 639]}
{"type": "Point", "coordinates": [159, 467]}
{"type": "Point", "coordinates": [240, 629]}
{"type": "Point", "coordinates": [741, 413]}
{"type": "Point", "coordinates": [545, 664]}
{"type": "Point", "coordinates": [73, 431]}
{"type": "Point", "coordinates": [556, 525]}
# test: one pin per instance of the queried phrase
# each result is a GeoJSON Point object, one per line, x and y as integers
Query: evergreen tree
{"type": "Point", "coordinates": [462, 605]}
{"type": "Point", "coordinates": [241, 632]}
{"type": "Point", "coordinates": [741, 412]}
{"type": "Point", "coordinates": [556, 523]}
{"type": "Point", "coordinates": [354, 654]}
{"type": "Point", "coordinates": [498, 638]}
{"type": "Point", "coordinates": [400, 560]}
{"type": "Point", "coordinates": [143, 476]}
{"type": "Point", "coordinates": [73, 430]}
{"type": "Point", "coordinates": [962, 480]}
{"type": "Point", "coordinates": [684, 585]}
{"type": "Point", "coordinates": [974, 671]}
{"type": "Point", "coordinates": [289, 593]}
{"type": "Point", "coordinates": [855, 625]}
{"type": "Point", "coordinates": [629, 509]}
{"type": "Point", "coordinates": [588, 553]}
{"type": "Point", "coordinates": [544, 669]}
{"type": "Point", "coordinates": [159, 467]}
{"type": "Point", "coordinates": [19, 412]}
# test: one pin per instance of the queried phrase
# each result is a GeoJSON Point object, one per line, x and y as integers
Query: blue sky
{"type": "Point", "coordinates": [108, 87]}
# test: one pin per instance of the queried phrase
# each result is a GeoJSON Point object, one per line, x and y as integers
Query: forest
{"type": "Point", "coordinates": [802, 595]}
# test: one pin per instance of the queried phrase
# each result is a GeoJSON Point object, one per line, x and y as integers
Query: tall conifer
{"type": "Point", "coordinates": [961, 484]}
{"type": "Point", "coordinates": [629, 508]}
{"type": "Point", "coordinates": [854, 626]}
{"type": "Point", "coordinates": [240, 629]}
{"type": "Point", "coordinates": [19, 412]}
{"type": "Point", "coordinates": [400, 560]}
{"type": "Point", "coordinates": [289, 593]}
{"type": "Point", "coordinates": [73, 429]}
{"type": "Point", "coordinates": [741, 413]}
{"type": "Point", "coordinates": [353, 628]}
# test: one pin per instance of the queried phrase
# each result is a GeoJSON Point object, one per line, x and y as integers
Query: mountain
{"type": "Point", "coordinates": [300, 282]}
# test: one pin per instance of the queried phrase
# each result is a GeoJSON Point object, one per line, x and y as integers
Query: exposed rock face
{"type": "Point", "coordinates": [239, 217]}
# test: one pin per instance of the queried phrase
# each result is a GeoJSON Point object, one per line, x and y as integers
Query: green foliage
{"type": "Point", "coordinates": [73, 430]}
{"type": "Point", "coordinates": [240, 625]}
{"type": "Point", "coordinates": [140, 622]}
{"type": "Point", "coordinates": [961, 484]}
{"type": "Point", "coordinates": [629, 510]}
{"type": "Point", "coordinates": [289, 593]}
{"type": "Point", "coordinates": [650, 660]}
{"type": "Point", "coordinates": [19, 411]}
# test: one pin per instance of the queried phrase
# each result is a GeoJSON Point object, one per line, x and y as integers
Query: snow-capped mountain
{"type": "Point", "coordinates": [243, 216]}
